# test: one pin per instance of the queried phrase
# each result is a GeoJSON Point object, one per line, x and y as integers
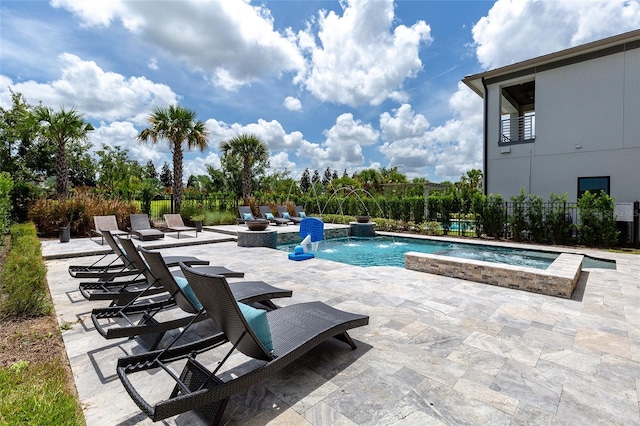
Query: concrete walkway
{"type": "Point", "coordinates": [437, 350]}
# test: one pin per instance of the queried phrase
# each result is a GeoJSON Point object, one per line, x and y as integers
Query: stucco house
{"type": "Point", "coordinates": [565, 122]}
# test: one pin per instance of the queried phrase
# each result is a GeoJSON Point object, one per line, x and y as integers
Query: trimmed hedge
{"type": "Point", "coordinates": [24, 281]}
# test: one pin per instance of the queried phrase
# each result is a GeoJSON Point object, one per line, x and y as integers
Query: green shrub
{"type": "Point", "coordinates": [6, 185]}
{"type": "Point", "coordinates": [597, 224]}
{"type": "Point", "coordinates": [517, 218]}
{"type": "Point", "coordinates": [37, 395]}
{"type": "Point", "coordinates": [433, 228]}
{"type": "Point", "coordinates": [493, 215]}
{"type": "Point", "coordinates": [24, 277]}
{"type": "Point", "coordinates": [22, 230]}
{"type": "Point", "coordinates": [219, 217]}
{"type": "Point", "coordinates": [535, 218]}
{"type": "Point", "coordinates": [559, 227]}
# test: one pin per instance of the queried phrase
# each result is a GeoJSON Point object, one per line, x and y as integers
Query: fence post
{"type": "Point", "coordinates": [636, 222]}
{"type": "Point", "coordinates": [172, 206]}
{"type": "Point", "coordinates": [505, 225]}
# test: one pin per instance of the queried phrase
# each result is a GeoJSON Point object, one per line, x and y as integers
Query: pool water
{"type": "Point", "coordinates": [389, 251]}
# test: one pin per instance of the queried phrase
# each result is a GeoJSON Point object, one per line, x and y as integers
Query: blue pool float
{"type": "Point", "coordinates": [299, 254]}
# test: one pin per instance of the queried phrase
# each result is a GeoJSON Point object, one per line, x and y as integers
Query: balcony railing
{"type": "Point", "coordinates": [518, 130]}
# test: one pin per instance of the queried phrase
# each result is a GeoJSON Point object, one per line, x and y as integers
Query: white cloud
{"type": "Point", "coordinates": [514, 31]}
{"type": "Point", "coordinates": [443, 152]}
{"type": "Point", "coordinates": [123, 134]}
{"type": "Point", "coordinates": [198, 165]}
{"type": "Point", "coordinates": [292, 104]}
{"type": "Point", "coordinates": [346, 138]}
{"type": "Point", "coordinates": [97, 94]}
{"type": "Point", "coordinates": [96, 13]}
{"type": "Point", "coordinates": [405, 124]}
{"type": "Point", "coordinates": [281, 161]}
{"type": "Point", "coordinates": [270, 132]}
{"type": "Point", "coordinates": [342, 147]}
{"type": "Point", "coordinates": [362, 59]}
{"type": "Point", "coordinates": [153, 64]}
{"type": "Point", "coordinates": [232, 41]}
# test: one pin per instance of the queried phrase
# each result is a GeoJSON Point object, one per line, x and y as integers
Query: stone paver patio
{"type": "Point", "coordinates": [437, 350]}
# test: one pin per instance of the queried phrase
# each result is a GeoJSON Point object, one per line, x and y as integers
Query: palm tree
{"type": "Point", "coordinates": [176, 124]}
{"type": "Point", "coordinates": [251, 151]}
{"type": "Point", "coordinates": [62, 127]}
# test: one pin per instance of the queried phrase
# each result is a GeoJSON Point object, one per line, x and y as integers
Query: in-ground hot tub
{"type": "Point", "coordinates": [559, 279]}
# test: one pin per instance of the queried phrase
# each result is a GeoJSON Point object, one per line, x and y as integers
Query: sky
{"type": "Point", "coordinates": [344, 84]}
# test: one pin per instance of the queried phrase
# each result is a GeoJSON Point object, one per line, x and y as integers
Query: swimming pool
{"type": "Point", "coordinates": [389, 251]}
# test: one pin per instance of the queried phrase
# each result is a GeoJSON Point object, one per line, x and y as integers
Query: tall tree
{"type": "Point", "coordinates": [326, 178]}
{"type": "Point", "coordinates": [176, 125]}
{"type": "Point", "coordinates": [316, 177]}
{"type": "Point", "coordinates": [16, 138]}
{"type": "Point", "coordinates": [82, 165]}
{"type": "Point", "coordinates": [166, 176]}
{"type": "Point", "coordinates": [61, 128]}
{"type": "Point", "coordinates": [119, 174]}
{"type": "Point", "coordinates": [217, 179]}
{"type": "Point", "coordinates": [251, 151]}
{"type": "Point", "coordinates": [335, 175]}
{"type": "Point", "coordinates": [150, 171]}
{"type": "Point", "coordinates": [305, 181]}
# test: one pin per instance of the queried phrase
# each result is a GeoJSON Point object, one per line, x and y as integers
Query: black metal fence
{"type": "Point", "coordinates": [162, 205]}
{"type": "Point", "coordinates": [556, 223]}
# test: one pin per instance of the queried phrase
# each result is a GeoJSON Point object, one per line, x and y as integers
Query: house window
{"type": "Point", "coordinates": [594, 185]}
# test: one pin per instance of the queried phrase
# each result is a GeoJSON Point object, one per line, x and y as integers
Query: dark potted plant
{"type": "Point", "coordinates": [197, 221]}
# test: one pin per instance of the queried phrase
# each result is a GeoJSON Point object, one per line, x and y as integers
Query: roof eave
{"type": "Point", "coordinates": [474, 81]}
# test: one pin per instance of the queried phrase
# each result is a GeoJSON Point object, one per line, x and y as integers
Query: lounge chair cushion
{"type": "Point", "coordinates": [247, 216]}
{"type": "Point", "coordinates": [186, 289]}
{"type": "Point", "coordinates": [285, 215]}
{"type": "Point", "coordinates": [269, 216]}
{"type": "Point", "coordinates": [259, 323]}
{"type": "Point", "coordinates": [302, 214]}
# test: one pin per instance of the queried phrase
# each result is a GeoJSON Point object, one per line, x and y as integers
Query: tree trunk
{"type": "Point", "coordinates": [177, 174]}
{"type": "Point", "coordinates": [246, 180]}
{"type": "Point", "coordinates": [62, 171]}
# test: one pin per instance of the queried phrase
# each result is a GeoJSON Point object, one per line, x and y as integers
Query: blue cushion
{"type": "Point", "coordinates": [259, 323]}
{"type": "Point", "coordinates": [248, 216]}
{"type": "Point", "coordinates": [186, 289]}
{"type": "Point", "coordinates": [285, 215]}
{"type": "Point", "coordinates": [268, 216]}
{"type": "Point", "coordinates": [302, 214]}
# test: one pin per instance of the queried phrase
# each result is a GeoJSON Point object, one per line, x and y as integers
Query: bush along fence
{"type": "Point", "coordinates": [590, 221]}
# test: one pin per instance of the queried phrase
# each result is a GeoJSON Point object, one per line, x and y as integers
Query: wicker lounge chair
{"type": "Point", "coordinates": [267, 214]}
{"type": "Point", "coordinates": [120, 288]}
{"type": "Point", "coordinates": [174, 223]}
{"type": "Point", "coordinates": [106, 223]}
{"type": "Point", "coordinates": [295, 330]}
{"type": "Point", "coordinates": [140, 319]}
{"type": "Point", "coordinates": [284, 213]}
{"type": "Point", "coordinates": [119, 267]}
{"type": "Point", "coordinates": [245, 214]}
{"type": "Point", "coordinates": [141, 228]}
{"type": "Point", "coordinates": [300, 214]}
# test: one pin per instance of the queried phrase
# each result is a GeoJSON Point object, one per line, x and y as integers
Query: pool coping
{"type": "Point", "coordinates": [559, 279]}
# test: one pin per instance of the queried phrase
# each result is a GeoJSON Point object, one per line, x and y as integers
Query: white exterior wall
{"type": "Point", "coordinates": [594, 104]}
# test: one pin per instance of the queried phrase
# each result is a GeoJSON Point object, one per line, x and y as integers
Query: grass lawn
{"type": "Point", "coordinates": [36, 383]}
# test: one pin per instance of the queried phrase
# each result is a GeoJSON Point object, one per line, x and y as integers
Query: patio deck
{"type": "Point", "coordinates": [437, 350]}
